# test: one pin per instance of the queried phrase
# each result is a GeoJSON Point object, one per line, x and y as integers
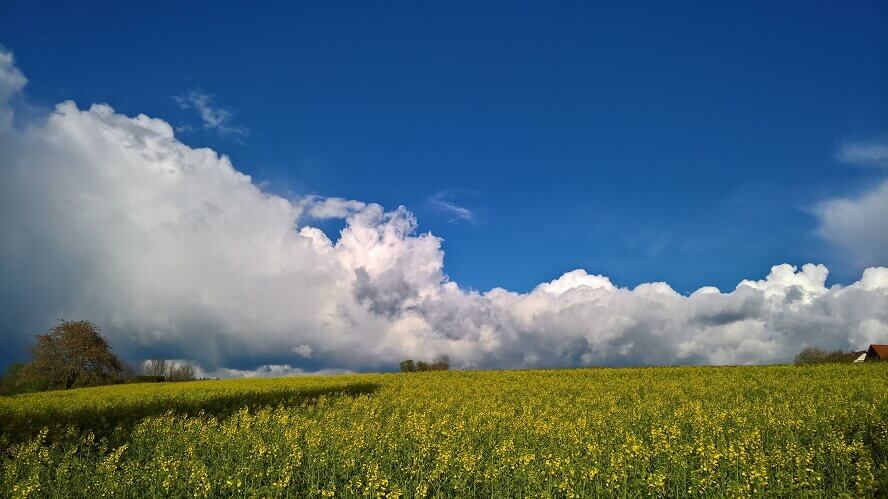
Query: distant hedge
{"type": "Point", "coordinates": [817, 355]}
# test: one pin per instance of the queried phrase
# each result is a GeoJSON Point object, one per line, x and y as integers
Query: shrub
{"type": "Point", "coordinates": [439, 363]}
{"type": "Point", "coordinates": [817, 355]}
{"type": "Point", "coordinates": [19, 379]}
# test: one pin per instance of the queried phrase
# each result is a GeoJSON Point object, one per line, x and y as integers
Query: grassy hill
{"type": "Point", "coordinates": [775, 430]}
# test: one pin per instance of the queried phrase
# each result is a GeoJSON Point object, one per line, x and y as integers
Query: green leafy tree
{"type": "Point", "coordinates": [74, 353]}
{"type": "Point", "coordinates": [408, 366]}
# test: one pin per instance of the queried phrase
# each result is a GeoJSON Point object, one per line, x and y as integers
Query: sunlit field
{"type": "Point", "coordinates": [732, 431]}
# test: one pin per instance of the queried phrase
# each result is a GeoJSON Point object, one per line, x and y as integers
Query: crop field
{"type": "Point", "coordinates": [684, 431]}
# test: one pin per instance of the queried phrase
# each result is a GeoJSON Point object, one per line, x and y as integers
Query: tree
{"type": "Point", "coordinates": [408, 366]}
{"type": "Point", "coordinates": [74, 353]}
{"type": "Point", "coordinates": [180, 372]}
{"type": "Point", "coordinates": [422, 366]}
{"type": "Point", "coordinates": [155, 368]}
{"type": "Point", "coordinates": [17, 379]}
{"type": "Point", "coordinates": [163, 370]}
{"type": "Point", "coordinates": [440, 363]}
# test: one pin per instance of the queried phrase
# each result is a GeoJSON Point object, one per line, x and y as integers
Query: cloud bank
{"type": "Point", "coordinates": [176, 254]}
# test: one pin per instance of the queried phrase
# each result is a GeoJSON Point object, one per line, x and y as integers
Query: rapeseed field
{"type": "Point", "coordinates": [683, 431]}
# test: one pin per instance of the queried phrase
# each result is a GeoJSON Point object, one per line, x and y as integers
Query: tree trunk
{"type": "Point", "coordinates": [70, 381]}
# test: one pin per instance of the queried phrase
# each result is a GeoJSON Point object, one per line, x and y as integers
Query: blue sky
{"type": "Point", "coordinates": [673, 142]}
{"type": "Point", "coordinates": [576, 155]}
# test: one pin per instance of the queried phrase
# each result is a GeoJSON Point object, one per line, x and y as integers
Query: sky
{"type": "Point", "coordinates": [428, 175]}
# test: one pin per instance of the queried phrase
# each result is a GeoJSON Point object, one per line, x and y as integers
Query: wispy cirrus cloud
{"type": "Point", "coordinates": [213, 116]}
{"type": "Point", "coordinates": [864, 153]}
{"type": "Point", "coordinates": [443, 202]}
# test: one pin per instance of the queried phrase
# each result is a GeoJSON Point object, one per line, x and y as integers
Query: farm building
{"type": "Point", "coordinates": [877, 352]}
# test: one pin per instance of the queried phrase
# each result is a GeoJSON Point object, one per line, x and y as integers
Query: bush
{"type": "Point", "coordinates": [145, 378]}
{"type": "Point", "coordinates": [19, 379]}
{"type": "Point", "coordinates": [817, 355]}
{"type": "Point", "coordinates": [440, 363]}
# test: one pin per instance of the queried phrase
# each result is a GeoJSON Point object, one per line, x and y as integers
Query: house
{"type": "Point", "coordinates": [858, 357]}
{"type": "Point", "coordinates": [877, 352]}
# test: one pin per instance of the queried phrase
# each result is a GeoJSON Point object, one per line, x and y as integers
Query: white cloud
{"type": "Point", "coordinates": [266, 371]}
{"type": "Point", "coordinates": [303, 350]}
{"type": "Point", "coordinates": [176, 254]}
{"type": "Point", "coordinates": [213, 117]}
{"type": "Point", "coordinates": [871, 153]}
{"type": "Point", "coordinates": [12, 81]}
{"type": "Point", "coordinates": [575, 279]}
{"type": "Point", "coordinates": [785, 281]}
{"type": "Point", "coordinates": [871, 331]}
{"type": "Point", "coordinates": [442, 202]}
{"type": "Point", "coordinates": [858, 225]}
{"type": "Point", "coordinates": [322, 208]}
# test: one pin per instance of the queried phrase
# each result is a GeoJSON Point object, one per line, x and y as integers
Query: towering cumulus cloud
{"type": "Point", "coordinates": [176, 254]}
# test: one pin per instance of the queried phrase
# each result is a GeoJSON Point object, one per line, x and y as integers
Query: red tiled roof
{"type": "Point", "coordinates": [880, 350]}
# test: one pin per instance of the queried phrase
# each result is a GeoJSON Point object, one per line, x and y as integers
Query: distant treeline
{"type": "Point", "coordinates": [75, 354]}
{"type": "Point", "coordinates": [817, 355]}
{"type": "Point", "coordinates": [439, 363]}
